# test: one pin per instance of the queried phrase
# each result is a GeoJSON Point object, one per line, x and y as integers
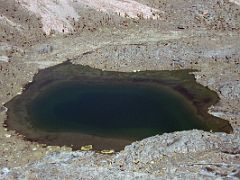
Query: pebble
{"type": "Point", "coordinates": [111, 151]}
{"type": "Point", "coordinates": [8, 135]}
{"type": "Point", "coordinates": [86, 148]}
{"type": "Point", "coordinates": [5, 171]}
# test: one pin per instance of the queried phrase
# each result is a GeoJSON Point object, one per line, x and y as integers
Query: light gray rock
{"type": "Point", "coordinates": [45, 48]}
{"type": "Point", "coordinates": [4, 58]}
{"type": "Point", "coordinates": [4, 171]}
{"type": "Point", "coordinates": [70, 166]}
{"type": "Point", "coordinates": [231, 90]}
{"type": "Point", "coordinates": [3, 109]}
{"type": "Point", "coordinates": [91, 165]}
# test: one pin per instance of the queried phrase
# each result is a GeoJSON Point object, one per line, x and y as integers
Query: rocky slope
{"type": "Point", "coordinates": [142, 35]}
{"type": "Point", "coordinates": [183, 155]}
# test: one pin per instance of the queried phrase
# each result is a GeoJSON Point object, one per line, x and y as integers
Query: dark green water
{"type": "Point", "coordinates": [76, 105]}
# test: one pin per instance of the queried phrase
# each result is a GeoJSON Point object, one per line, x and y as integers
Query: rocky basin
{"type": "Point", "coordinates": [165, 35]}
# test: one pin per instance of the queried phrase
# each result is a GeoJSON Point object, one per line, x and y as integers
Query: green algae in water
{"type": "Point", "coordinates": [78, 105]}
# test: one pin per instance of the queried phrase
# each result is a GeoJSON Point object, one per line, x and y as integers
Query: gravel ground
{"type": "Point", "coordinates": [190, 34]}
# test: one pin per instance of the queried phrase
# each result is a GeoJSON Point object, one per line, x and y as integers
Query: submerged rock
{"type": "Point", "coordinates": [87, 148]}
{"type": "Point", "coordinates": [111, 151]}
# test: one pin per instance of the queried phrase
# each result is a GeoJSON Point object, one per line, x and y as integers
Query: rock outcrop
{"type": "Point", "coordinates": [176, 155]}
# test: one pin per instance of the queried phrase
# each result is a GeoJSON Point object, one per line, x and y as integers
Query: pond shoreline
{"type": "Point", "coordinates": [168, 152]}
{"type": "Point", "coordinates": [153, 78]}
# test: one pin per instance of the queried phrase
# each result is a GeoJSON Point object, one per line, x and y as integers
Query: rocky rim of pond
{"type": "Point", "coordinates": [189, 35]}
{"type": "Point", "coordinates": [189, 110]}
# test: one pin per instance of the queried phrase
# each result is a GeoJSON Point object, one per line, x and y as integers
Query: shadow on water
{"type": "Point", "coordinates": [77, 105]}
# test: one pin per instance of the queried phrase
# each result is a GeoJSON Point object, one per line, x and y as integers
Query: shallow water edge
{"type": "Point", "coordinates": [181, 83]}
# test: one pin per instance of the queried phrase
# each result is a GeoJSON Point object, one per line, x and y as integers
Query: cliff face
{"type": "Point", "coordinates": [125, 36]}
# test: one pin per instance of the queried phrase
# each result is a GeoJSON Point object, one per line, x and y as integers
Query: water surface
{"type": "Point", "coordinates": [75, 105]}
